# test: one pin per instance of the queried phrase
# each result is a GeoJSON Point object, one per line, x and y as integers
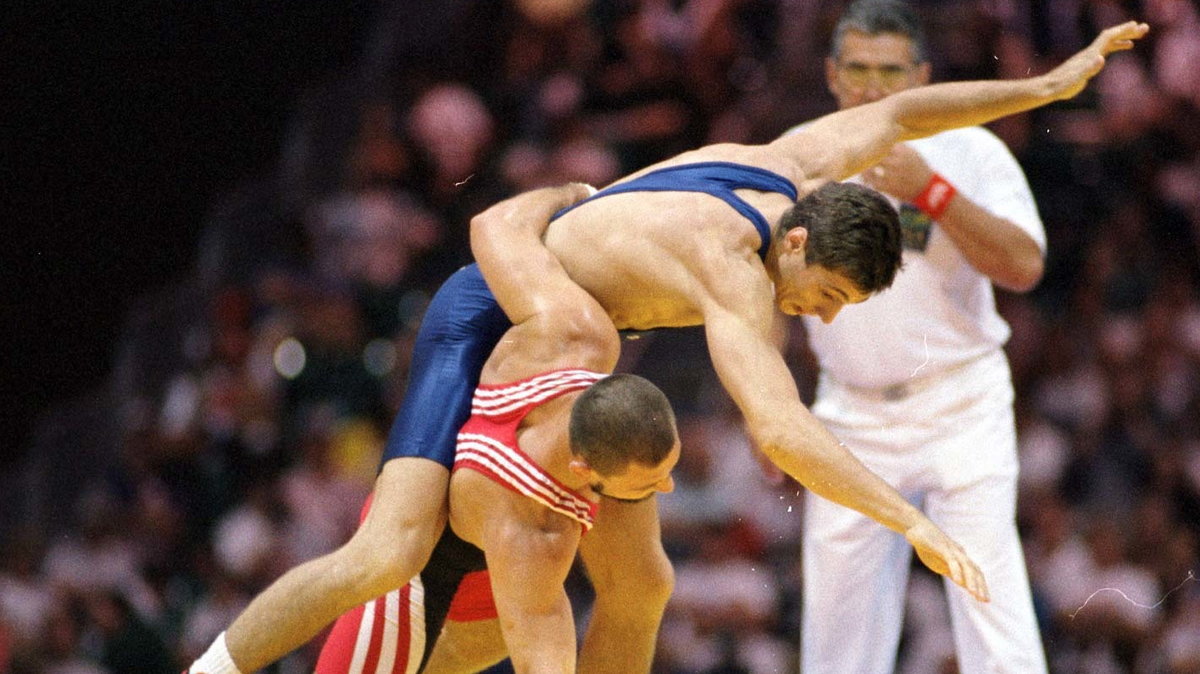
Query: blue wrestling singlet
{"type": "Point", "coordinates": [458, 332]}
{"type": "Point", "coordinates": [464, 322]}
{"type": "Point", "coordinates": [717, 178]}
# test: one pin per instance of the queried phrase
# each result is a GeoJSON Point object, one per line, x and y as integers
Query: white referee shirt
{"type": "Point", "coordinates": [940, 312]}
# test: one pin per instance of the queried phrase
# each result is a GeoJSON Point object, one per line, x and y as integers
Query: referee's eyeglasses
{"type": "Point", "coordinates": [889, 77]}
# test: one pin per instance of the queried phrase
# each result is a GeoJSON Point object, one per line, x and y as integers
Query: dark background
{"type": "Point", "coordinates": [122, 122]}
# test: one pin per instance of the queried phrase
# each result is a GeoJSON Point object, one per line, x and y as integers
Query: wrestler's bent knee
{"type": "Point", "coordinates": [646, 581]}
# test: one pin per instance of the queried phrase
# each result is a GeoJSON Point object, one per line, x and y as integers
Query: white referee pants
{"type": "Point", "coordinates": [951, 450]}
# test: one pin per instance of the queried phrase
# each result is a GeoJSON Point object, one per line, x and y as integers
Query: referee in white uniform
{"type": "Point", "coordinates": [916, 383]}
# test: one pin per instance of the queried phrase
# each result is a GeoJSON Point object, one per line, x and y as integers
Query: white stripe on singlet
{"type": "Point", "coordinates": [362, 643]}
{"type": "Point", "coordinates": [416, 624]}
{"type": "Point", "coordinates": [509, 464]}
{"type": "Point", "coordinates": [389, 637]}
{"type": "Point", "coordinates": [504, 399]}
{"type": "Point", "coordinates": [522, 475]}
{"type": "Point", "coordinates": [391, 630]}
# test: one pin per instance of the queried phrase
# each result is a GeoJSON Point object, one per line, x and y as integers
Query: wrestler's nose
{"type": "Point", "coordinates": [666, 486]}
{"type": "Point", "coordinates": [829, 312]}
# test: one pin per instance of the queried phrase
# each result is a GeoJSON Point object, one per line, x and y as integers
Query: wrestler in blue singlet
{"type": "Point", "coordinates": [464, 322]}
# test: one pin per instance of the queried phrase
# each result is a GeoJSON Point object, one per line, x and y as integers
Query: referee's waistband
{"type": "Point", "coordinates": [909, 387]}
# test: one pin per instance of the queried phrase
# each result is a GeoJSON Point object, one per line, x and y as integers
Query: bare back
{"type": "Point", "coordinates": [654, 259]}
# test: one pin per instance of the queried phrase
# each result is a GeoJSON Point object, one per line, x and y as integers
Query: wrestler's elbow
{"type": "Point", "coordinates": [641, 583]}
{"type": "Point", "coordinates": [589, 324]}
{"type": "Point", "coordinates": [781, 445]}
{"type": "Point", "coordinates": [485, 237]}
{"type": "Point", "coordinates": [1017, 267]}
{"type": "Point", "coordinates": [527, 213]}
{"type": "Point", "coordinates": [770, 445]}
{"type": "Point", "coordinates": [532, 553]}
{"type": "Point", "coordinates": [587, 331]}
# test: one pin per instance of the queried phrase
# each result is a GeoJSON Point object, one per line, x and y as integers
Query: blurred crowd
{"type": "Point", "coordinates": [241, 426]}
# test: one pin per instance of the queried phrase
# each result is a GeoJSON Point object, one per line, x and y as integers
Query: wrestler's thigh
{"type": "Point", "coordinates": [406, 516]}
{"type": "Point", "coordinates": [409, 490]}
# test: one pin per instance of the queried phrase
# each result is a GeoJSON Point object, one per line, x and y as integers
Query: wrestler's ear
{"type": "Point", "coordinates": [580, 468]}
{"type": "Point", "coordinates": [795, 240]}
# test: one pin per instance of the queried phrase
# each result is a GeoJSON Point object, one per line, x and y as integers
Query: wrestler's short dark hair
{"type": "Point", "coordinates": [875, 17]}
{"type": "Point", "coordinates": [852, 229]}
{"type": "Point", "coordinates": [622, 419]}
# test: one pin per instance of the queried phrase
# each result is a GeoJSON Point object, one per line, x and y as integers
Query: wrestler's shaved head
{"type": "Point", "coordinates": [620, 420]}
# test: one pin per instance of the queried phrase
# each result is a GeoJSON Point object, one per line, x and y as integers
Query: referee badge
{"type": "Point", "coordinates": [914, 228]}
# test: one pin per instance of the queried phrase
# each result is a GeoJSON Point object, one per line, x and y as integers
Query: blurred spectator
{"type": "Point", "coordinates": [322, 503]}
{"type": "Point", "coordinates": [215, 611]}
{"type": "Point", "coordinates": [370, 237]}
{"type": "Point", "coordinates": [453, 127]}
{"type": "Point", "coordinates": [697, 500]}
{"type": "Point", "coordinates": [370, 240]}
{"type": "Point", "coordinates": [26, 599]}
{"type": "Point", "coordinates": [1177, 47]}
{"type": "Point", "coordinates": [723, 609]}
{"type": "Point", "coordinates": [637, 100]}
{"type": "Point", "coordinates": [102, 558]}
{"type": "Point", "coordinates": [324, 363]}
{"type": "Point", "coordinates": [127, 644]}
{"type": "Point", "coordinates": [1043, 447]}
{"type": "Point", "coordinates": [1107, 605]}
{"type": "Point", "coordinates": [1070, 389]}
{"type": "Point", "coordinates": [61, 649]}
{"type": "Point", "coordinates": [1181, 641]}
{"type": "Point", "coordinates": [248, 539]}
{"type": "Point", "coordinates": [379, 154]}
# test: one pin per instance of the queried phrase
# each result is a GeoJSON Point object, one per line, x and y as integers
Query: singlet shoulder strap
{"type": "Point", "coordinates": [498, 400]}
{"type": "Point", "coordinates": [718, 178]}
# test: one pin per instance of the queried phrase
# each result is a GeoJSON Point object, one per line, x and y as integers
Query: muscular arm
{"type": "Point", "coordinates": [841, 144]}
{"type": "Point", "coordinates": [529, 560]}
{"type": "Point", "coordinates": [737, 325]}
{"type": "Point", "coordinates": [756, 377]}
{"type": "Point", "coordinates": [556, 323]}
{"type": "Point", "coordinates": [997, 247]}
{"type": "Point", "coordinates": [506, 242]}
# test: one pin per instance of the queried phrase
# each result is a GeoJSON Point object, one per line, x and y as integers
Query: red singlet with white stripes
{"type": "Point", "coordinates": [488, 441]}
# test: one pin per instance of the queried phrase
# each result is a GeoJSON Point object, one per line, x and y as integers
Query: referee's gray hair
{"type": "Point", "coordinates": [874, 17]}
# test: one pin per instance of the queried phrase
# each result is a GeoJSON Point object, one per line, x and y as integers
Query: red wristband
{"type": "Point", "coordinates": [936, 196]}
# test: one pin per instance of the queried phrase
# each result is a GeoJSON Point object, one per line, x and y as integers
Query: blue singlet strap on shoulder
{"type": "Point", "coordinates": [718, 178]}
